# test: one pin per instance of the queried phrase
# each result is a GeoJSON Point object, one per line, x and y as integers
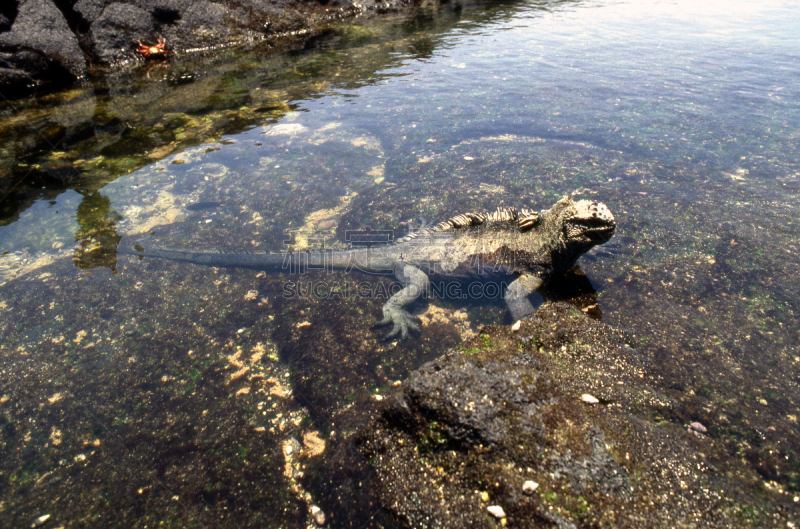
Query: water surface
{"type": "Point", "coordinates": [177, 394]}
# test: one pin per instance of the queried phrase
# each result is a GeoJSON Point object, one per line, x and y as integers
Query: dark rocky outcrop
{"type": "Point", "coordinates": [51, 43]}
{"type": "Point", "coordinates": [37, 46]}
{"type": "Point", "coordinates": [468, 430]}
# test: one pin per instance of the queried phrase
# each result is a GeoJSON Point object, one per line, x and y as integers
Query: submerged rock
{"type": "Point", "coordinates": [502, 414]}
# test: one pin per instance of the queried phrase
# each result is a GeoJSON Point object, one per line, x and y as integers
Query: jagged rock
{"type": "Point", "coordinates": [116, 28]}
{"type": "Point", "coordinates": [113, 31]}
{"type": "Point", "coordinates": [51, 42]}
{"type": "Point", "coordinates": [37, 47]}
{"type": "Point", "coordinates": [477, 424]}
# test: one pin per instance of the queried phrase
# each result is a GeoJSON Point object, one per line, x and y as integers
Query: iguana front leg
{"type": "Point", "coordinates": [517, 295]}
{"type": "Point", "coordinates": [415, 283]}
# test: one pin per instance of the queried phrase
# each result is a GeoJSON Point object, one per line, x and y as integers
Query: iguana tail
{"type": "Point", "coordinates": [255, 261]}
{"type": "Point", "coordinates": [300, 262]}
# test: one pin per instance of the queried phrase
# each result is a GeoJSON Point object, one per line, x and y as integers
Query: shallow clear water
{"type": "Point", "coordinates": [166, 380]}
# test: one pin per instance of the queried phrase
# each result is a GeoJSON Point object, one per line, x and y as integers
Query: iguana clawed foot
{"type": "Point", "coordinates": [401, 321]}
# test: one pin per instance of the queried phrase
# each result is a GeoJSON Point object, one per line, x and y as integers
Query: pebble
{"type": "Point", "coordinates": [529, 487]}
{"type": "Point", "coordinates": [588, 399]}
{"type": "Point", "coordinates": [319, 516]}
{"type": "Point", "coordinates": [496, 511]}
{"type": "Point", "coordinates": [40, 520]}
{"type": "Point", "coordinates": [516, 326]}
{"type": "Point", "coordinates": [698, 427]}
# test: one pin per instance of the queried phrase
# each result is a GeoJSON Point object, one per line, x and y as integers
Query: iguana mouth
{"type": "Point", "coordinates": [596, 229]}
{"type": "Point", "coordinates": [604, 233]}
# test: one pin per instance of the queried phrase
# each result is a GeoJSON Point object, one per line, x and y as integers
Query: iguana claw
{"type": "Point", "coordinates": [401, 321]}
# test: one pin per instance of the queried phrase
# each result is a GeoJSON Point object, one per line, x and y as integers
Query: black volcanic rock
{"type": "Point", "coordinates": [53, 43]}
{"type": "Point", "coordinates": [37, 47]}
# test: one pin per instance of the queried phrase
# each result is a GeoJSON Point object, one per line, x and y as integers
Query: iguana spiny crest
{"type": "Point", "coordinates": [583, 221]}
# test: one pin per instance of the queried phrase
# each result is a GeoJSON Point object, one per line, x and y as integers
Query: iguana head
{"type": "Point", "coordinates": [589, 221]}
{"type": "Point", "coordinates": [581, 224]}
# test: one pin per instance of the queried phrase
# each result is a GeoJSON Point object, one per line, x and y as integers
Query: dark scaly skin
{"type": "Point", "coordinates": [527, 247]}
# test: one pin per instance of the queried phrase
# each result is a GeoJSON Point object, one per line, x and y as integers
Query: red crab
{"type": "Point", "coordinates": [154, 52]}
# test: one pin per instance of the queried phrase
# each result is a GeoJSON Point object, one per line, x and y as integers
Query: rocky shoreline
{"type": "Point", "coordinates": [51, 44]}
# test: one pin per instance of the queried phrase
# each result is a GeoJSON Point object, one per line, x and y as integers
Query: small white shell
{"type": "Point", "coordinates": [589, 399]}
{"type": "Point", "coordinates": [40, 520]}
{"type": "Point", "coordinates": [529, 487]}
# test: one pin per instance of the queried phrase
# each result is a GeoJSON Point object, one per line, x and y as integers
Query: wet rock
{"type": "Point", "coordinates": [117, 28]}
{"type": "Point", "coordinates": [500, 410]}
{"type": "Point", "coordinates": [37, 47]}
{"type": "Point", "coordinates": [50, 43]}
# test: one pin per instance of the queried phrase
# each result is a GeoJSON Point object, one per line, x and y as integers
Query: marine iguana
{"type": "Point", "coordinates": [526, 247]}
